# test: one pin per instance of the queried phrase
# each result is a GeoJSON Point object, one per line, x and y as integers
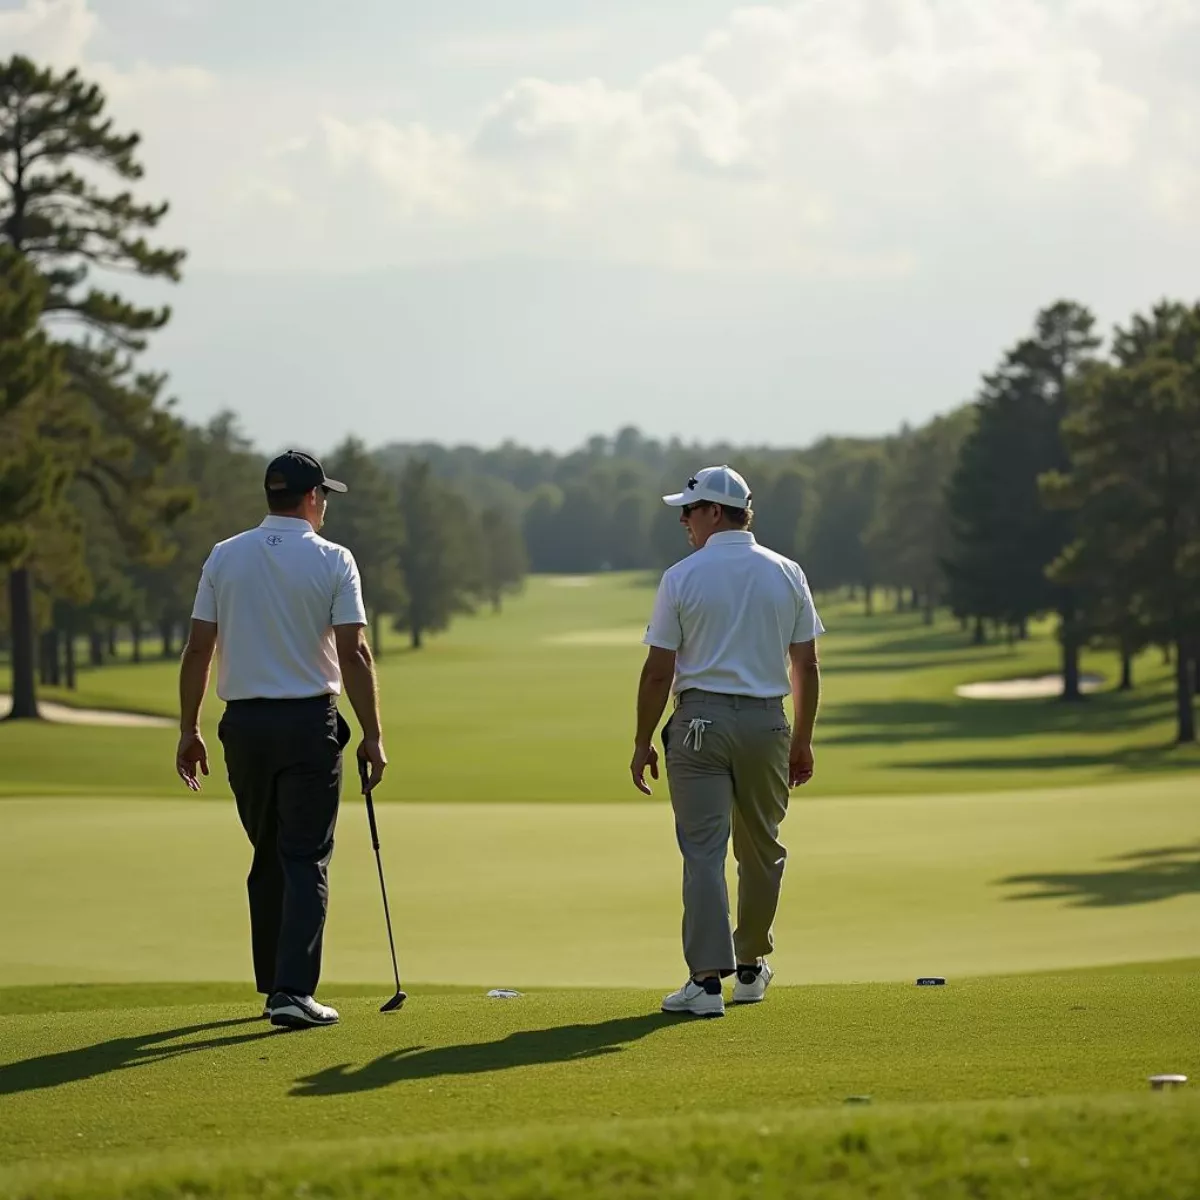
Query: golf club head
{"type": "Point", "coordinates": [395, 1003]}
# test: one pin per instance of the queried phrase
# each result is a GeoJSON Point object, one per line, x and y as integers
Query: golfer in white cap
{"type": "Point", "coordinates": [728, 621]}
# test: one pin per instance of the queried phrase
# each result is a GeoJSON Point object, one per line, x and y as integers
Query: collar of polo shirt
{"type": "Point", "coordinates": [730, 536]}
{"type": "Point", "coordinates": [277, 522]}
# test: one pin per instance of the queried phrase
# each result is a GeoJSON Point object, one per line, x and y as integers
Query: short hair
{"type": "Point", "coordinates": [743, 518]}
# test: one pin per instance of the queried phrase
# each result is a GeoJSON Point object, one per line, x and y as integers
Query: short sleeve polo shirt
{"type": "Point", "coordinates": [275, 593]}
{"type": "Point", "coordinates": [730, 611]}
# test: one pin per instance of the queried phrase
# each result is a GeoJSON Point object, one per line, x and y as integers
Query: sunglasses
{"type": "Point", "coordinates": [688, 509]}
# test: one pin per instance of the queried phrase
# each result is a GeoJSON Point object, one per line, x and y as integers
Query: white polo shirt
{"type": "Point", "coordinates": [275, 593]}
{"type": "Point", "coordinates": [730, 611]}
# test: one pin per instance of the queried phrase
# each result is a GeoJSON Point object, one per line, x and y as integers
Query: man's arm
{"type": "Point", "coordinates": [806, 699]}
{"type": "Point", "coordinates": [654, 689]}
{"type": "Point", "coordinates": [359, 680]}
{"type": "Point", "coordinates": [194, 669]}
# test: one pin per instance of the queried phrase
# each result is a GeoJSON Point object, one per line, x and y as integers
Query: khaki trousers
{"type": "Point", "coordinates": [727, 767]}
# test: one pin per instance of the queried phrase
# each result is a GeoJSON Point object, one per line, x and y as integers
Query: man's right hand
{"type": "Point", "coordinates": [371, 751]}
{"type": "Point", "coordinates": [800, 764]}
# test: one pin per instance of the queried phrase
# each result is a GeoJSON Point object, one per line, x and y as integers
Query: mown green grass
{"type": "Point", "coordinates": [1032, 1150]}
{"type": "Point", "coordinates": [574, 895]}
{"type": "Point", "coordinates": [595, 1092]}
{"type": "Point", "coordinates": [536, 705]}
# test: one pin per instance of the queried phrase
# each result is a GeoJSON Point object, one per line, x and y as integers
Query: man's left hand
{"type": "Point", "coordinates": [191, 756]}
{"type": "Point", "coordinates": [644, 757]}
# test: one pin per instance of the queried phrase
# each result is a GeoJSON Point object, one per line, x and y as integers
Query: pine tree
{"type": "Point", "coordinates": [54, 140]}
{"type": "Point", "coordinates": [1005, 537]}
{"type": "Point", "coordinates": [368, 522]}
{"type": "Point", "coordinates": [1133, 482]}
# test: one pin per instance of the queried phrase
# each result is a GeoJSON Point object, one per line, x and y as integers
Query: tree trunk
{"type": "Point", "coordinates": [96, 648]}
{"type": "Point", "coordinates": [1023, 630]}
{"type": "Point", "coordinates": [1126, 668]}
{"type": "Point", "coordinates": [135, 630]}
{"type": "Point", "coordinates": [24, 645]}
{"type": "Point", "coordinates": [915, 599]}
{"type": "Point", "coordinates": [870, 598]}
{"type": "Point", "coordinates": [51, 658]}
{"type": "Point", "coordinates": [980, 637]}
{"type": "Point", "coordinates": [69, 657]}
{"type": "Point", "coordinates": [1070, 666]}
{"type": "Point", "coordinates": [377, 633]}
{"type": "Point", "coordinates": [1183, 695]}
{"type": "Point", "coordinates": [416, 637]}
{"type": "Point", "coordinates": [167, 629]}
{"type": "Point", "coordinates": [112, 641]}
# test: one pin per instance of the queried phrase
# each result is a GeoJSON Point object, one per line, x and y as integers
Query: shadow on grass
{"type": "Point", "coordinates": [1157, 759]}
{"type": "Point", "coordinates": [1143, 877]}
{"type": "Point", "coordinates": [876, 665]}
{"type": "Point", "coordinates": [567, 1043]}
{"type": "Point", "coordinates": [902, 722]}
{"type": "Point", "coordinates": [119, 1054]}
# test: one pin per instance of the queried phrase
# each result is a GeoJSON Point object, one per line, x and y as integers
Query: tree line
{"type": "Point", "coordinates": [1070, 484]}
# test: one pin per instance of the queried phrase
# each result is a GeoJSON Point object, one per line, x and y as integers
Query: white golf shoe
{"type": "Point", "coordinates": [300, 1012]}
{"type": "Point", "coordinates": [752, 983]}
{"type": "Point", "coordinates": [699, 999]}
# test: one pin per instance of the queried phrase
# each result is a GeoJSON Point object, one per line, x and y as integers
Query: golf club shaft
{"type": "Point", "coordinates": [364, 776]}
{"type": "Point", "coordinates": [387, 916]}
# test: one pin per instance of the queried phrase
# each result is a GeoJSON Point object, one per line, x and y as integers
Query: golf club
{"type": "Point", "coordinates": [397, 1001]}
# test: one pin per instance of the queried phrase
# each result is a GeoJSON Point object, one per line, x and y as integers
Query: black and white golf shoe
{"type": "Point", "coordinates": [299, 1012]}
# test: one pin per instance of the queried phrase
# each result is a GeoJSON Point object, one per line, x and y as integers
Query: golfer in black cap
{"type": "Point", "coordinates": [283, 610]}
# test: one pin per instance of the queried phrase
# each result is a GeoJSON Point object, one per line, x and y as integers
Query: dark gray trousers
{"type": "Point", "coordinates": [284, 760]}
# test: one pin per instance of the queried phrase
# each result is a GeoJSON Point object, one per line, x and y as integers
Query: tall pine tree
{"type": "Point", "coordinates": [1004, 537]}
{"type": "Point", "coordinates": [55, 141]}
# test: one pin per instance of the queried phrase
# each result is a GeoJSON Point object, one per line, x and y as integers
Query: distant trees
{"type": "Point", "coordinates": [1003, 537]}
{"type": "Point", "coordinates": [1132, 489]}
{"type": "Point", "coordinates": [1069, 485]}
{"type": "Point", "coordinates": [911, 534]}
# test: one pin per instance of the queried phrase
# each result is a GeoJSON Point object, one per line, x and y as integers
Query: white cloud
{"type": "Point", "coordinates": [54, 32]}
{"type": "Point", "coordinates": [820, 137]}
{"type": "Point", "coordinates": [502, 46]}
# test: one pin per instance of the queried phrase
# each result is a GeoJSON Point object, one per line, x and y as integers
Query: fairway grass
{"type": "Point", "coordinates": [535, 705]}
{"type": "Point", "coordinates": [576, 895]}
{"type": "Point", "coordinates": [1034, 1086]}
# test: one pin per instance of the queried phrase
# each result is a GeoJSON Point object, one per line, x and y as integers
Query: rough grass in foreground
{"type": "Point", "coordinates": [1035, 1150]}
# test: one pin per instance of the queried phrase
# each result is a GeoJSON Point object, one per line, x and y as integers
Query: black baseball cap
{"type": "Point", "coordinates": [295, 472]}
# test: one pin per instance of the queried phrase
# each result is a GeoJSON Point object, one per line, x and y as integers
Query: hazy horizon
{"type": "Point", "coordinates": [756, 224]}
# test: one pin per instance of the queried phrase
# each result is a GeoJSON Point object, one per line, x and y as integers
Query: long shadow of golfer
{"type": "Point", "coordinates": [119, 1054]}
{"type": "Point", "coordinates": [567, 1043]}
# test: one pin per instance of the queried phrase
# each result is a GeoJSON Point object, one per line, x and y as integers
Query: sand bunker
{"type": "Point", "coordinates": [1042, 687]}
{"type": "Point", "coordinates": [62, 715]}
{"type": "Point", "coordinates": [628, 636]}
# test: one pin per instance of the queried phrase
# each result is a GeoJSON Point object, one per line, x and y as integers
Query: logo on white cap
{"type": "Point", "coordinates": [717, 485]}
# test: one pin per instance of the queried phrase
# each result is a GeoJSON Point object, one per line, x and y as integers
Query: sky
{"type": "Point", "coordinates": [546, 219]}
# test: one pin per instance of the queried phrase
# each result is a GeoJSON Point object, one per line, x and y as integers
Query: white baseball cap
{"type": "Point", "coordinates": [717, 485]}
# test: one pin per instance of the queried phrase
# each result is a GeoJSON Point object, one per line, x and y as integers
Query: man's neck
{"type": "Point", "coordinates": [294, 516]}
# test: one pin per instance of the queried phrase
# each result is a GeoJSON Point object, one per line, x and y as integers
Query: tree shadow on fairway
{"type": "Point", "coordinates": [119, 1054]}
{"type": "Point", "coordinates": [1143, 877]}
{"type": "Point", "coordinates": [903, 722]}
{"type": "Point", "coordinates": [567, 1043]}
